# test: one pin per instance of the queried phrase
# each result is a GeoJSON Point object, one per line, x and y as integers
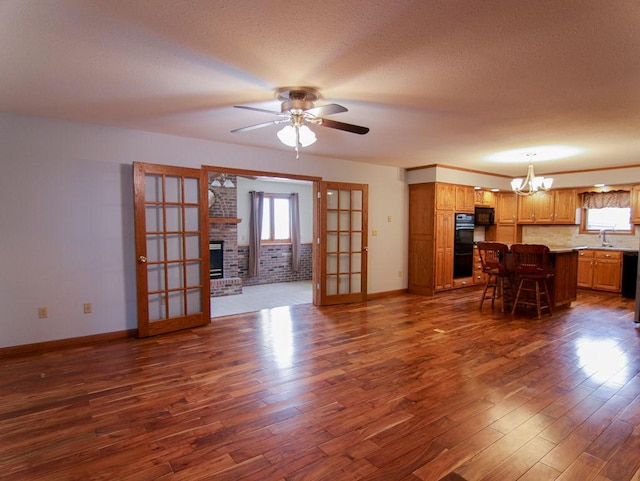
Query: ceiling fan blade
{"type": "Point", "coordinates": [253, 127]}
{"type": "Point", "coordinates": [326, 110]}
{"type": "Point", "coordinates": [356, 129]}
{"type": "Point", "coordinates": [274, 112]}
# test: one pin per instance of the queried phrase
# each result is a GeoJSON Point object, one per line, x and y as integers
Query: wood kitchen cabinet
{"type": "Point", "coordinates": [635, 204]}
{"type": "Point", "coordinates": [465, 199]}
{"type": "Point", "coordinates": [554, 207]}
{"type": "Point", "coordinates": [479, 277]}
{"type": "Point", "coordinates": [431, 237]}
{"type": "Point", "coordinates": [421, 238]}
{"type": "Point", "coordinates": [445, 196]}
{"type": "Point", "coordinates": [485, 198]}
{"type": "Point", "coordinates": [506, 208]}
{"type": "Point", "coordinates": [600, 270]}
{"type": "Point", "coordinates": [444, 250]}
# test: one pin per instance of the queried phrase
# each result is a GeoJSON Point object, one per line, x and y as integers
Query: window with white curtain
{"type": "Point", "coordinates": [607, 211]}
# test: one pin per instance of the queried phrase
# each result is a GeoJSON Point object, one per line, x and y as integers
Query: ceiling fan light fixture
{"type": "Point", "coordinates": [306, 136]}
{"type": "Point", "coordinates": [293, 136]}
{"type": "Point", "coordinates": [287, 135]}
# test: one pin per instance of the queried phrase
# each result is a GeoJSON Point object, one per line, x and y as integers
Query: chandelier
{"type": "Point", "coordinates": [531, 184]}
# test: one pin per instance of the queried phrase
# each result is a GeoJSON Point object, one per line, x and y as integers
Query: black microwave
{"type": "Point", "coordinates": [485, 216]}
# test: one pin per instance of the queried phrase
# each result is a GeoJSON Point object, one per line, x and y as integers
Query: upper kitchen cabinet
{"type": "Point", "coordinates": [554, 207]}
{"type": "Point", "coordinates": [445, 196]}
{"type": "Point", "coordinates": [465, 199]}
{"type": "Point", "coordinates": [635, 205]}
{"type": "Point", "coordinates": [485, 198]}
{"type": "Point", "coordinates": [506, 208]}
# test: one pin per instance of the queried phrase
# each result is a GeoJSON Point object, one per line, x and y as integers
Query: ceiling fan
{"type": "Point", "coordinates": [297, 113]}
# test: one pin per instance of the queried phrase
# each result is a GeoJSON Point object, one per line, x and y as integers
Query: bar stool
{"type": "Point", "coordinates": [493, 257]}
{"type": "Point", "coordinates": [532, 268]}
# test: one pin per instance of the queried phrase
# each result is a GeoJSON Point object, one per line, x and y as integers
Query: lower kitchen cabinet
{"type": "Point", "coordinates": [479, 277]}
{"type": "Point", "coordinates": [600, 270]}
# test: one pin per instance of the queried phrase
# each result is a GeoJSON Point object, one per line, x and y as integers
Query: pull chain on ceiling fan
{"type": "Point", "coordinates": [298, 112]}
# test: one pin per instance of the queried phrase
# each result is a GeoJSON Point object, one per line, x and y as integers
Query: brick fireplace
{"type": "Point", "coordinates": [223, 226]}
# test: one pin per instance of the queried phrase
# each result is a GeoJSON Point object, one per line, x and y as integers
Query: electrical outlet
{"type": "Point", "coordinates": [374, 232]}
{"type": "Point", "coordinates": [388, 218]}
{"type": "Point", "coordinates": [88, 309]}
{"type": "Point", "coordinates": [43, 313]}
{"type": "Point", "coordinates": [399, 273]}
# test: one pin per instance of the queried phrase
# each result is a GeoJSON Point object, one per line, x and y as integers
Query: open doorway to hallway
{"type": "Point", "coordinates": [233, 290]}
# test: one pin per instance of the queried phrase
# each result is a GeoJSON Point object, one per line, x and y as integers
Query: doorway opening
{"type": "Point", "coordinates": [276, 283]}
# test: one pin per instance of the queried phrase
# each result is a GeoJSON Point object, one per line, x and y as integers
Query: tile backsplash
{"type": "Point", "coordinates": [569, 236]}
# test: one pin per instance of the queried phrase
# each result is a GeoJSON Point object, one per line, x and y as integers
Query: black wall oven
{"type": "Point", "coordinates": [463, 246]}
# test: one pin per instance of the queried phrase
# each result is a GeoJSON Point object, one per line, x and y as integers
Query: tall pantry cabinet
{"type": "Point", "coordinates": [421, 238]}
{"type": "Point", "coordinates": [431, 234]}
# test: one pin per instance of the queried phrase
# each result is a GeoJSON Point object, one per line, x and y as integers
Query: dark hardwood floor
{"type": "Point", "coordinates": [403, 388]}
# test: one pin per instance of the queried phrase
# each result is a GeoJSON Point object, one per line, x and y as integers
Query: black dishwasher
{"type": "Point", "coordinates": [629, 274]}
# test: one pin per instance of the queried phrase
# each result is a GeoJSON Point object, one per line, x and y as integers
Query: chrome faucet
{"type": "Point", "coordinates": [603, 236]}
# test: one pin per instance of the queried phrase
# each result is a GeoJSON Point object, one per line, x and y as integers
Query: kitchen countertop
{"type": "Point", "coordinates": [610, 248]}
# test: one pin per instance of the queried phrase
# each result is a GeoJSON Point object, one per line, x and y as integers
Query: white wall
{"type": "Point", "coordinates": [305, 204]}
{"type": "Point", "coordinates": [66, 217]}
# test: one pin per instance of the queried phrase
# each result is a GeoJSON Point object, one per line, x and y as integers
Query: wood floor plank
{"type": "Point", "coordinates": [402, 388]}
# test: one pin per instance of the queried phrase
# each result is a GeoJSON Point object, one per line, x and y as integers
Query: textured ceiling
{"type": "Point", "coordinates": [447, 82]}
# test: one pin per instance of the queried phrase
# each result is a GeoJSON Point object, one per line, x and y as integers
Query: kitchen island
{"type": "Point", "coordinates": [564, 285]}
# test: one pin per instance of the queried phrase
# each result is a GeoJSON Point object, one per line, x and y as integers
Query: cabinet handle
{"type": "Point", "coordinates": [607, 255]}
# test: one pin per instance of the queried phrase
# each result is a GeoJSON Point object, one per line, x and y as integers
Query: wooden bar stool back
{"type": "Point", "coordinates": [533, 271]}
{"type": "Point", "coordinates": [493, 257]}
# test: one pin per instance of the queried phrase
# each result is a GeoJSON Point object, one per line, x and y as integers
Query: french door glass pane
{"type": "Point", "coordinates": [356, 199]}
{"type": "Point", "coordinates": [344, 245]}
{"type": "Point", "coordinates": [344, 263]}
{"type": "Point", "coordinates": [356, 220]}
{"type": "Point", "coordinates": [332, 220]}
{"type": "Point", "coordinates": [345, 199]}
{"type": "Point", "coordinates": [332, 242]}
{"type": "Point", "coordinates": [174, 189]}
{"type": "Point", "coordinates": [356, 282]}
{"type": "Point", "coordinates": [153, 217]}
{"type": "Point", "coordinates": [193, 301]}
{"type": "Point", "coordinates": [192, 243]}
{"type": "Point", "coordinates": [332, 199]}
{"type": "Point", "coordinates": [155, 248]}
{"type": "Point", "coordinates": [153, 188]}
{"type": "Point", "coordinates": [332, 285]}
{"type": "Point", "coordinates": [193, 274]}
{"type": "Point", "coordinates": [156, 307]}
{"type": "Point", "coordinates": [191, 190]}
{"type": "Point", "coordinates": [356, 241]}
{"type": "Point", "coordinates": [155, 277]}
{"type": "Point", "coordinates": [174, 247]}
{"type": "Point", "coordinates": [356, 262]}
{"type": "Point", "coordinates": [332, 264]}
{"type": "Point", "coordinates": [174, 218]}
{"type": "Point", "coordinates": [343, 284]}
{"type": "Point", "coordinates": [345, 220]}
{"type": "Point", "coordinates": [176, 304]}
{"type": "Point", "coordinates": [191, 218]}
{"type": "Point", "coordinates": [175, 276]}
